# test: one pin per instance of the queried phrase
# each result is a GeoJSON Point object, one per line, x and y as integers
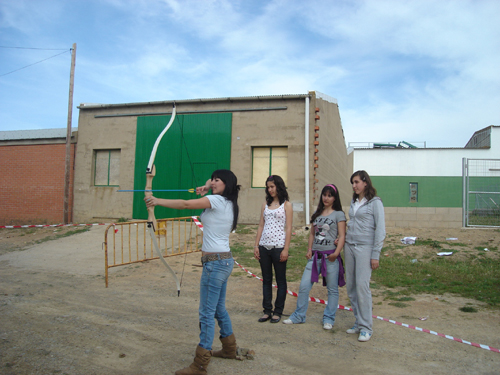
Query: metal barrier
{"type": "Point", "coordinates": [481, 190]}
{"type": "Point", "coordinates": [131, 243]}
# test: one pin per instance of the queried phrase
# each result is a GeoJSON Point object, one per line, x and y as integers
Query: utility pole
{"type": "Point", "coordinates": [67, 170]}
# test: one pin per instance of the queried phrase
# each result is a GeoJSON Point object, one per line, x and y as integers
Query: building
{"type": "Point", "coordinates": [424, 187]}
{"type": "Point", "coordinates": [298, 137]}
{"type": "Point", "coordinates": [32, 176]}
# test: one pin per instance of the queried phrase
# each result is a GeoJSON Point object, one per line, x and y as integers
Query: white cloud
{"type": "Point", "coordinates": [415, 70]}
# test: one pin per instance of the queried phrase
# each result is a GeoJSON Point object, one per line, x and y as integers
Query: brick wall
{"type": "Point", "coordinates": [32, 184]}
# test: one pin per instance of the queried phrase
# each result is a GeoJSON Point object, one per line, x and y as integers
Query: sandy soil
{"type": "Point", "coordinates": [57, 317]}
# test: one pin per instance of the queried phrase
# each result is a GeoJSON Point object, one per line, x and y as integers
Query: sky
{"type": "Point", "coordinates": [401, 70]}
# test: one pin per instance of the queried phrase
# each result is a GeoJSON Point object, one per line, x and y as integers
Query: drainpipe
{"type": "Point", "coordinates": [306, 155]}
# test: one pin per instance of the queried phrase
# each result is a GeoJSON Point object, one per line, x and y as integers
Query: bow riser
{"type": "Point", "coordinates": [147, 194]}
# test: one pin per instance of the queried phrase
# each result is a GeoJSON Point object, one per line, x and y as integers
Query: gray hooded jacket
{"type": "Point", "coordinates": [366, 228]}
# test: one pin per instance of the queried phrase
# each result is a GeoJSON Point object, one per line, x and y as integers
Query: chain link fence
{"type": "Point", "coordinates": [481, 186]}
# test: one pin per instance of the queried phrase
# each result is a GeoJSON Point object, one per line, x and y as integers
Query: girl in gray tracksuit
{"type": "Point", "coordinates": [364, 240]}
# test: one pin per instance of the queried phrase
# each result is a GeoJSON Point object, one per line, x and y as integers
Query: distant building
{"type": "Point", "coordinates": [482, 138]}
{"type": "Point", "coordinates": [424, 187]}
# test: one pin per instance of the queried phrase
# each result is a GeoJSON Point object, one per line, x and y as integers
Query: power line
{"type": "Point", "coordinates": [45, 49]}
{"type": "Point", "coordinates": [38, 62]}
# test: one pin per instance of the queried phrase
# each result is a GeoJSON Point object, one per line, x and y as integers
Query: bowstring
{"type": "Point", "coordinates": [181, 125]}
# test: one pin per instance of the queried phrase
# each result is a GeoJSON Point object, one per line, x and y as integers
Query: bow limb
{"type": "Point", "coordinates": [160, 255]}
{"type": "Point", "coordinates": [149, 169]}
{"type": "Point", "coordinates": [152, 224]}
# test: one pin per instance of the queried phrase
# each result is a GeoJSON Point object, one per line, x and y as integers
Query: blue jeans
{"type": "Point", "coordinates": [213, 285]}
{"type": "Point", "coordinates": [332, 285]}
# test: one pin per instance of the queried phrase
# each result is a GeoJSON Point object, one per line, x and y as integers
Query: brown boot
{"type": "Point", "coordinates": [229, 348]}
{"type": "Point", "coordinates": [200, 363]}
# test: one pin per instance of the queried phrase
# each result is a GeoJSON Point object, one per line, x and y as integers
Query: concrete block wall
{"type": "Point", "coordinates": [32, 179]}
{"type": "Point", "coordinates": [423, 217]}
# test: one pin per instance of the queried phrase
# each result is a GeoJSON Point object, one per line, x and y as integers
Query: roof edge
{"type": "Point", "coordinates": [202, 100]}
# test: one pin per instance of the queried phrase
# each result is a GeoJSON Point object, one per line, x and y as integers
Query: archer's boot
{"type": "Point", "coordinates": [200, 363]}
{"type": "Point", "coordinates": [229, 348]}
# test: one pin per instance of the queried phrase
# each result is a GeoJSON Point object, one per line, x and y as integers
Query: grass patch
{"type": "Point", "coordinates": [68, 233]}
{"type": "Point", "coordinates": [398, 304]}
{"type": "Point", "coordinates": [396, 295]}
{"type": "Point", "coordinates": [477, 278]}
{"type": "Point", "coordinates": [473, 276]}
{"type": "Point", "coordinates": [428, 242]}
{"type": "Point", "coordinates": [244, 255]}
{"type": "Point", "coordinates": [27, 231]}
{"type": "Point", "coordinates": [244, 229]}
{"type": "Point", "coordinates": [296, 256]}
{"type": "Point", "coordinates": [393, 247]}
{"type": "Point", "coordinates": [298, 263]}
{"type": "Point", "coordinates": [457, 244]}
{"type": "Point", "coordinates": [468, 309]}
{"type": "Point", "coordinates": [406, 299]}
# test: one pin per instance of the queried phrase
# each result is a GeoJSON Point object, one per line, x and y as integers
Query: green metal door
{"type": "Point", "coordinates": [193, 147]}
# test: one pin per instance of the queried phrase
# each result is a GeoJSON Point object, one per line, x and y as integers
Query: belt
{"type": "Point", "coordinates": [216, 256]}
{"type": "Point", "coordinates": [268, 247]}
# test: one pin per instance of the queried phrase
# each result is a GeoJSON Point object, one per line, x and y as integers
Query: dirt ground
{"type": "Point", "coordinates": [57, 317]}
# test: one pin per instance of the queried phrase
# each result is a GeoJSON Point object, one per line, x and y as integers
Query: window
{"type": "Point", "coordinates": [413, 192]}
{"type": "Point", "coordinates": [267, 161]}
{"type": "Point", "coordinates": [107, 168]}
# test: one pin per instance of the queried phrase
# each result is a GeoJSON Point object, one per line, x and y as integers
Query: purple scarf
{"type": "Point", "coordinates": [323, 271]}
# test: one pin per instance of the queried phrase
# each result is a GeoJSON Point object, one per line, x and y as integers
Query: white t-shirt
{"type": "Point", "coordinates": [358, 204]}
{"type": "Point", "coordinates": [217, 223]}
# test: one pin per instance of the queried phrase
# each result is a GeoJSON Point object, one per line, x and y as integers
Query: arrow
{"type": "Point", "coordinates": [192, 190]}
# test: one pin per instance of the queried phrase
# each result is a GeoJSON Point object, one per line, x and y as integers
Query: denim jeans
{"type": "Point", "coordinates": [213, 285]}
{"type": "Point", "coordinates": [268, 259]}
{"type": "Point", "coordinates": [332, 285]}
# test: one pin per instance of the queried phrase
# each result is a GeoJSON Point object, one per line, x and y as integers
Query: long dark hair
{"type": "Point", "coordinates": [370, 191]}
{"type": "Point", "coordinates": [230, 191]}
{"type": "Point", "coordinates": [334, 192]}
{"type": "Point", "coordinates": [280, 189]}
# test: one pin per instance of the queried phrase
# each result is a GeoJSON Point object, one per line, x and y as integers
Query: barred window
{"type": "Point", "coordinates": [106, 167]}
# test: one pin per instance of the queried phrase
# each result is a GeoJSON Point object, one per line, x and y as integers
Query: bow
{"type": "Point", "coordinates": [152, 224]}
